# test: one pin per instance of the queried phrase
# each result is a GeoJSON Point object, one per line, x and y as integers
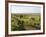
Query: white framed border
{"type": "Point", "coordinates": [24, 32]}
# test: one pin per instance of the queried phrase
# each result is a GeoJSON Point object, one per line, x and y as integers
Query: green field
{"type": "Point", "coordinates": [20, 22]}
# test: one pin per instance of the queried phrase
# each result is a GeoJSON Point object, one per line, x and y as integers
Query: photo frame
{"type": "Point", "coordinates": [28, 12]}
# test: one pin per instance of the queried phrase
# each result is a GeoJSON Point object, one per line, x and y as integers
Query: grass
{"type": "Point", "coordinates": [20, 22]}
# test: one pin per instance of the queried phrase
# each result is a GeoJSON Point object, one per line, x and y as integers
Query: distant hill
{"type": "Point", "coordinates": [25, 13]}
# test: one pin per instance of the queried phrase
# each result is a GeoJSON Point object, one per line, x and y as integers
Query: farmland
{"type": "Point", "coordinates": [20, 22]}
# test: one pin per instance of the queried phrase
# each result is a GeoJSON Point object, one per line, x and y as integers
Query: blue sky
{"type": "Point", "coordinates": [24, 9]}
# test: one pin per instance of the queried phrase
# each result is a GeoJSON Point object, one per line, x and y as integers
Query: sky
{"type": "Point", "coordinates": [25, 9]}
